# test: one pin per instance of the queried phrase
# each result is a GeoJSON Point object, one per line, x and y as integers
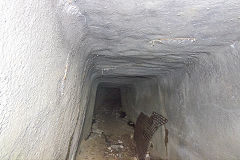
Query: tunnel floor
{"type": "Point", "coordinates": [111, 137]}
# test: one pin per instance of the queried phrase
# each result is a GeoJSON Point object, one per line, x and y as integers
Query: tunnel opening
{"type": "Point", "coordinates": [108, 98]}
{"type": "Point", "coordinates": [110, 130]}
{"type": "Point", "coordinates": [111, 133]}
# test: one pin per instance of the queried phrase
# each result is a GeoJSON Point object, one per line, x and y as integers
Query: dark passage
{"type": "Point", "coordinates": [107, 98]}
{"type": "Point", "coordinates": [111, 137]}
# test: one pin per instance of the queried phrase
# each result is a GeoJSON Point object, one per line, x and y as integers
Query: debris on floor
{"type": "Point", "coordinates": [122, 114]}
{"type": "Point", "coordinates": [111, 137]}
{"type": "Point", "coordinates": [130, 123]}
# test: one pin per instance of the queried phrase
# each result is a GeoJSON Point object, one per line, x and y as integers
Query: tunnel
{"type": "Point", "coordinates": [120, 79]}
{"type": "Point", "coordinates": [111, 118]}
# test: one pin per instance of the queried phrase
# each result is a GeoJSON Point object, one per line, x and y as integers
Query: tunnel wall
{"type": "Point", "coordinates": [89, 111]}
{"type": "Point", "coordinates": [202, 108]}
{"type": "Point", "coordinates": [144, 96]}
{"type": "Point", "coordinates": [201, 104]}
{"type": "Point", "coordinates": [40, 79]}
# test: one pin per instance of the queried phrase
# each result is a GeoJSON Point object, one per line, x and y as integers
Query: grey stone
{"type": "Point", "coordinates": [178, 58]}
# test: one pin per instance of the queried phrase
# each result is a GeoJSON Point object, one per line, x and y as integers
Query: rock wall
{"type": "Point", "coordinates": [202, 108]}
{"type": "Point", "coordinates": [41, 61]}
{"type": "Point", "coordinates": [201, 104]}
{"type": "Point", "coordinates": [145, 96]}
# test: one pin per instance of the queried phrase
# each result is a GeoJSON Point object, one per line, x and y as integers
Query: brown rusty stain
{"type": "Point", "coordinates": [166, 140]}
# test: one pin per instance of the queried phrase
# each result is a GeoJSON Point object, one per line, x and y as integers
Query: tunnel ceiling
{"type": "Point", "coordinates": [121, 81]}
{"type": "Point", "coordinates": [154, 37]}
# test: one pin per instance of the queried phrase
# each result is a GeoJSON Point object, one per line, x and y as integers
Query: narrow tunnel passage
{"type": "Point", "coordinates": [179, 59]}
{"type": "Point", "coordinates": [111, 137]}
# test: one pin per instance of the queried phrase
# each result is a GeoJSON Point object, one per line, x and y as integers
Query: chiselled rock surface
{"type": "Point", "coordinates": [179, 58]}
{"type": "Point", "coordinates": [156, 37]}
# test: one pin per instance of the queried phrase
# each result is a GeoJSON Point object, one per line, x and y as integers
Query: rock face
{"type": "Point", "coordinates": [40, 80]}
{"type": "Point", "coordinates": [178, 58]}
